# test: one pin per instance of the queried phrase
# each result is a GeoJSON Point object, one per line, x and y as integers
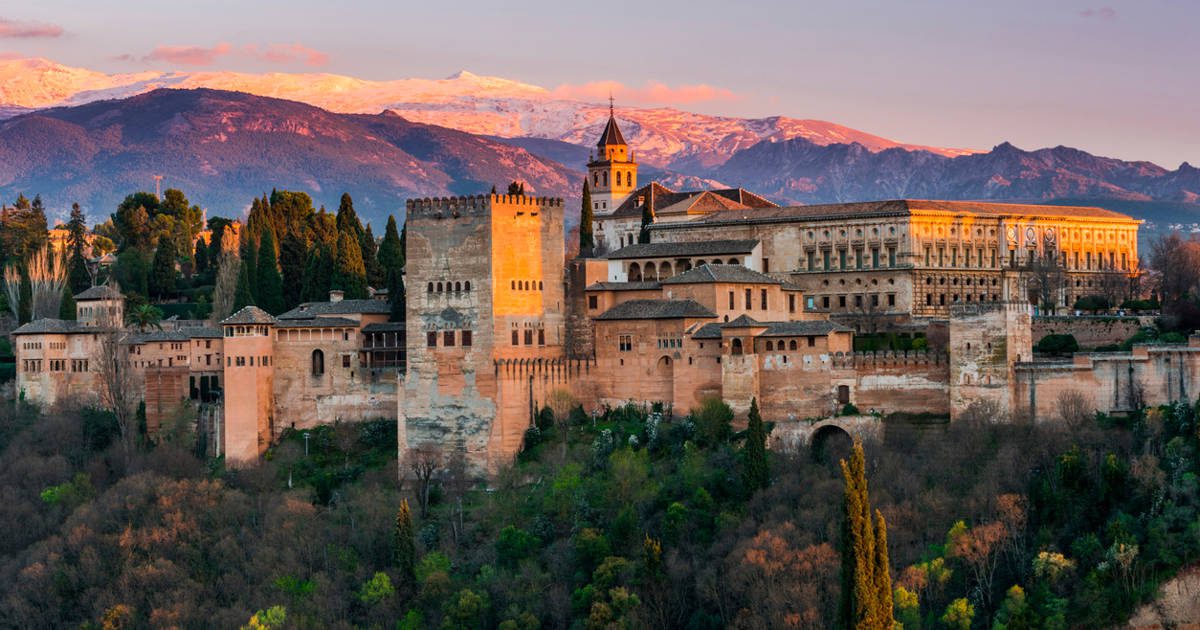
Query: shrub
{"type": "Point", "coordinates": [712, 421]}
{"type": "Point", "coordinates": [1057, 344]}
{"type": "Point", "coordinates": [1092, 303]}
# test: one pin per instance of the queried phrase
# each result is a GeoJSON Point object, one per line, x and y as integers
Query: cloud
{"type": "Point", "coordinates": [188, 55]}
{"type": "Point", "coordinates": [1100, 13]}
{"type": "Point", "coordinates": [279, 54]}
{"type": "Point", "coordinates": [652, 92]}
{"type": "Point", "coordinates": [28, 30]}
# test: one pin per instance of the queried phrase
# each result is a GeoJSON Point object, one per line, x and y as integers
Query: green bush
{"type": "Point", "coordinates": [1092, 303]}
{"type": "Point", "coordinates": [1057, 344]}
{"type": "Point", "coordinates": [712, 421]}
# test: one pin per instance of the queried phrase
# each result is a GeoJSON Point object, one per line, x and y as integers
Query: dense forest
{"type": "Point", "coordinates": [626, 519]}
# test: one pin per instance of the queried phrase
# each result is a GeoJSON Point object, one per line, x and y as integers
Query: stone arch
{"type": "Point", "coordinates": [457, 287]}
{"type": "Point", "coordinates": [735, 346]}
{"type": "Point", "coordinates": [770, 346]}
{"type": "Point", "coordinates": [665, 270]}
{"type": "Point", "coordinates": [792, 345]}
{"type": "Point", "coordinates": [635, 272]}
{"type": "Point", "coordinates": [733, 261]}
{"type": "Point", "coordinates": [830, 443]}
{"type": "Point", "coordinates": [318, 362]}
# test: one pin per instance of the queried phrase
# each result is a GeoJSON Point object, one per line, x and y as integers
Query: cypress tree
{"type": "Point", "coordinates": [866, 594]}
{"type": "Point", "coordinates": [292, 264]}
{"type": "Point", "coordinates": [396, 296]}
{"type": "Point", "coordinates": [200, 257]}
{"type": "Point", "coordinates": [318, 270]}
{"type": "Point", "coordinates": [587, 240]}
{"type": "Point", "coordinates": [25, 292]}
{"type": "Point", "coordinates": [757, 473]}
{"type": "Point", "coordinates": [406, 546]}
{"type": "Point", "coordinates": [391, 251]}
{"type": "Point", "coordinates": [349, 275]}
{"type": "Point", "coordinates": [242, 297]}
{"type": "Point", "coordinates": [647, 219]}
{"type": "Point", "coordinates": [347, 218]}
{"type": "Point", "coordinates": [66, 308]}
{"type": "Point", "coordinates": [270, 285]}
{"type": "Point", "coordinates": [78, 277]}
{"type": "Point", "coordinates": [250, 260]}
{"type": "Point", "coordinates": [375, 275]}
{"type": "Point", "coordinates": [162, 270]}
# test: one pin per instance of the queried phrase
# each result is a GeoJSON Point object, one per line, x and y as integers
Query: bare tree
{"type": "Point", "coordinates": [47, 278]}
{"type": "Point", "coordinates": [1074, 409]}
{"type": "Point", "coordinates": [1044, 279]}
{"type": "Point", "coordinates": [425, 462]}
{"type": "Point", "coordinates": [1113, 285]}
{"type": "Point", "coordinates": [118, 383]}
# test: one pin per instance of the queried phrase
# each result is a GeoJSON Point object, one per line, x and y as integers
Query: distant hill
{"type": "Point", "coordinates": [224, 148]}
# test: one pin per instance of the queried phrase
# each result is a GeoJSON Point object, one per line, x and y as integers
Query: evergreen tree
{"type": "Point", "coordinates": [25, 292]}
{"type": "Point", "coordinates": [242, 297]}
{"type": "Point", "coordinates": [493, 189]}
{"type": "Point", "coordinates": [406, 546]}
{"type": "Point", "coordinates": [200, 257]}
{"type": "Point", "coordinates": [587, 241]}
{"type": "Point", "coordinates": [292, 259]}
{"type": "Point", "coordinates": [647, 219]}
{"type": "Point", "coordinates": [347, 219]}
{"type": "Point", "coordinates": [66, 308]}
{"type": "Point", "coordinates": [162, 271]}
{"type": "Point", "coordinates": [391, 250]}
{"type": "Point", "coordinates": [78, 277]}
{"type": "Point", "coordinates": [757, 473]}
{"type": "Point", "coordinates": [370, 260]}
{"type": "Point", "coordinates": [349, 275]}
{"type": "Point", "coordinates": [515, 188]}
{"type": "Point", "coordinates": [250, 261]}
{"type": "Point", "coordinates": [318, 273]}
{"type": "Point", "coordinates": [396, 296]}
{"type": "Point", "coordinates": [270, 285]}
{"type": "Point", "coordinates": [866, 579]}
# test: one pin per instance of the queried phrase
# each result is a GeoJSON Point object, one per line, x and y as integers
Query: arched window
{"type": "Point", "coordinates": [770, 346]}
{"type": "Point", "coordinates": [635, 272]}
{"type": "Point", "coordinates": [605, 178]}
{"type": "Point", "coordinates": [736, 346]}
{"type": "Point", "coordinates": [792, 345]}
{"type": "Point", "coordinates": [318, 362]}
{"type": "Point", "coordinates": [467, 286]}
{"type": "Point", "coordinates": [595, 179]}
{"type": "Point", "coordinates": [439, 287]}
{"type": "Point", "coordinates": [733, 261]}
{"type": "Point", "coordinates": [539, 285]}
{"type": "Point", "coordinates": [429, 289]}
{"type": "Point", "coordinates": [513, 284]}
{"type": "Point", "coordinates": [457, 287]}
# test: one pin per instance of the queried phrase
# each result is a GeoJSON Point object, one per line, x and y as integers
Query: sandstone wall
{"type": "Point", "coordinates": [1090, 332]}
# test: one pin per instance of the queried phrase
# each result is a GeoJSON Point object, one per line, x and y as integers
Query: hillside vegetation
{"type": "Point", "coordinates": [624, 520]}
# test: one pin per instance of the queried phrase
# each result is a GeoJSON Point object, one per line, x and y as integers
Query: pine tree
{"type": "Point", "coordinates": [347, 218]}
{"type": "Point", "coordinates": [242, 297]}
{"type": "Point", "coordinates": [647, 219]}
{"type": "Point", "coordinates": [757, 473]}
{"type": "Point", "coordinates": [349, 275]}
{"type": "Point", "coordinates": [270, 285]}
{"type": "Point", "coordinates": [78, 277]}
{"type": "Point", "coordinates": [162, 270]}
{"type": "Point", "coordinates": [406, 545]}
{"type": "Point", "coordinates": [587, 240]}
{"type": "Point", "coordinates": [866, 594]}
{"type": "Point", "coordinates": [375, 274]}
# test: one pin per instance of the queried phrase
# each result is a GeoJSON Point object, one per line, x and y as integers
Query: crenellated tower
{"type": "Point", "coordinates": [612, 171]}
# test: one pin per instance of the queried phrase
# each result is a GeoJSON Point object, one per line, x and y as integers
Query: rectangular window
{"type": "Point", "coordinates": [466, 338]}
{"type": "Point", "coordinates": [891, 299]}
{"type": "Point", "coordinates": [858, 259]}
{"type": "Point", "coordinates": [431, 339]}
{"type": "Point", "coordinates": [858, 301]}
{"type": "Point", "coordinates": [593, 302]}
{"type": "Point", "coordinates": [345, 360]}
{"type": "Point", "coordinates": [825, 259]}
{"type": "Point", "coordinates": [766, 265]}
{"type": "Point", "coordinates": [529, 336]}
{"type": "Point", "coordinates": [927, 257]}
{"type": "Point", "coordinates": [792, 303]}
{"type": "Point", "coordinates": [241, 361]}
{"type": "Point", "coordinates": [811, 259]}
{"type": "Point", "coordinates": [841, 301]}
{"type": "Point", "coordinates": [762, 298]}
{"type": "Point", "coordinates": [448, 338]}
{"type": "Point", "coordinates": [625, 343]}
{"type": "Point", "coordinates": [891, 257]}
{"type": "Point", "coordinates": [874, 299]}
{"type": "Point", "coordinates": [731, 300]}
{"type": "Point", "coordinates": [875, 258]}
{"type": "Point", "coordinates": [515, 338]}
{"type": "Point", "coordinates": [541, 336]}
{"type": "Point", "coordinates": [841, 259]}
{"type": "Point", "coordinates": [825, 301]}
{"type": "Point", "coordinates": [749, 299]}
{"type": "Point", "coordinates": [812, 341]}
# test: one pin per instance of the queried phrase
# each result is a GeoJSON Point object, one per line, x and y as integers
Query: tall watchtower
{"type": "Point", "coordinates": [249, 384]}
{"type": "Point", "coordinates": [612, 173]}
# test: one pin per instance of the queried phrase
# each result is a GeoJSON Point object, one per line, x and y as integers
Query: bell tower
{"type": "Point", "coordinates": [612, 171]}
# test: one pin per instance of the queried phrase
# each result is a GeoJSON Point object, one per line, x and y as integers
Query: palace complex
{"type": "Point", "coordinates": [733, 297]}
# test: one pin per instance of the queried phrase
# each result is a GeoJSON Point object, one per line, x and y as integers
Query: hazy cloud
{"type": "Point", "coordinates": [1100, 13]}
{"type": "Point", "coordinates": [282, 54]}
{"type": "Point", "coordinates": [24, 30]}
{"type": "Point", "coordinates": [652, 92]}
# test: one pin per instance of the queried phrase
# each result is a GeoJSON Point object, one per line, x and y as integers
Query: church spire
{"type": "Point", "coordinates": [612, 136]}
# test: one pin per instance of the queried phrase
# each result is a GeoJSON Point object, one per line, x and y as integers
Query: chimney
{"type": "Point", "coordinates": [336, 295]}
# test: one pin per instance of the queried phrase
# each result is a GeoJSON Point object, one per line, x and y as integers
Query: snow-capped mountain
{"type": "Point", "coordinates": [662, 137]}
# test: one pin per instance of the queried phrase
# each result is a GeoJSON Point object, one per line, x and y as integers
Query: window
{"type": "Point", "coordinates": [875, 257]}
{"type": "Point", "coordinates": [825, 301]}
{"type": "Point", "coordinates": [318, 362]}
{"type": "Point", "coordinates": [762, 298]}
{"type": "Point", "coordinates": [625, 343]}
{"type": "Point", "coordinates": [891, 256]}
{"type": "Point", "coordinates": [812, 341]}
{"type": "Point", "coordinates": [529, 336]}
{"type": "Point", "coordinates": [541, 337]}
{"type": "Point", "coordinates": [241, 361]}
{"type": "Point", "coordinates": [731, 300]}
{"type": "Point", "coordinates": [841, 301]}
{"type": "Point", "coordinates": [448, 338]}
{"type": "Point", "coordinates": [345, 360]}
{"type": "Point", "coordinates": [792, 345]}
{"type": "Point", "coordinates": [891, 299]}
{"type": "Point", "coordinates": [792, 303]}
{"type": "Point", "coordinates": [466, 338]}
{"type": "Point", "coordinates": [431, 339]}
{"type": "Point", "coordinates": [811, 257]}
{"type": "Point", "coordinates": [841, 259]}
{"type": "Point", "coordinates": [736, 346]}
{"type": "Point", "coordinates": [748, 299]}
{"type": "Point", "coordinates": [825, 259]}
{"type": "Point", "coordinates": [516, 340]}
{"type": "Point", "coordinates": [766, 265]}
{"type": "Point", "coordinates": [593, 302]}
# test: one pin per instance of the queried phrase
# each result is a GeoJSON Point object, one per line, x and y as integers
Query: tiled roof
{"type": "Point", "coordinates": [159, 335]}
{"type": "Point", "coordinates": [611, 135]}
{"type": "Point", "coordinates": [49, 325]}
{"type": "Point", "coordinates": [387, 327]}
{"type": "Point", "coordinates": [743, 321]}
{"type": "Point", "coordinates": [100, 292]}
{"type": "Point", "coordinates": [317, 322]}
{"type": "Point", "coordinates": [673, 250]}
{"type": "Point", "coordinates": [344, 307]}
{"type": "Point", "coordinates": [623, 286]}
{"type": "Point", "coordinates": [203, 332]}
{"type": "Point", "coordinates": [708, 331]}
{"type": "Point", "coordinates": [706, 273]}
{"type": "Point", "coordinates": [249, 315]}
{"type": "Point", "coordinates": [656, 309]}
{"type": "Point", "coordinates": [660, 198]}
{"type": "Point", "coordinates": [898, 207]}
{"type": "Point", "coordinates": [803, 329]}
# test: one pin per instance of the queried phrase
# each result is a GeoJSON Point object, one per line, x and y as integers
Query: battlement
{"type": "Point", "coordinates": [442, 207]}
{"type": "Point", "coordinates": [557, 368]}
{"type": "Point", "coordinates": [974, 309]}
{"type": "Point", "coordinates": [888, 359]}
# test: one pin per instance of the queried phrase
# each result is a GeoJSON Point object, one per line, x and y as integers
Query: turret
{"type": "Point", "coordinates": [612, 173]}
